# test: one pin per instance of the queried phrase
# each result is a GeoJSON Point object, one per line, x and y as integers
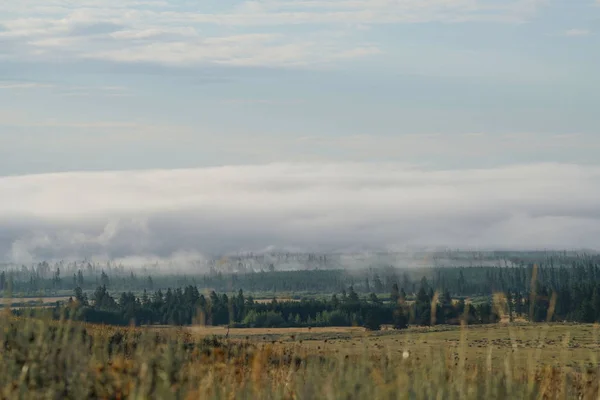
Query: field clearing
{"type": "Point", "coordinates": [28, 302]}
{"type": "Point", "coordinates": [33, 299]}
{"type": "Point", "coordinates": [266, 301]}
{"type": "Point", "coordinates": [279, 332]}
{"type": "Point", "coordinates": [529, 345]}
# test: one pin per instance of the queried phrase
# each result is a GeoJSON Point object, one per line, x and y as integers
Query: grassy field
{"type": "Point", "coordinates": [571, 345]}
{"type": "Point", "coordinates": [268, 300]}
{"type": "Point", "coordinates": [62, 360]}
{"type": "Point", "coordinates": [28, 302]}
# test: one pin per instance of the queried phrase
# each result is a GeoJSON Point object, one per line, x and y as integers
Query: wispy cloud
{"type": "Point", "coordinates": [260, 13]}
{"type": "Point", "coordinates": [23, 121]}
{"type": "Point", "coordinates": [102, 91]}
{"type": "Point", "coordinates": [324, 206]}
{"type": "Point", "coordinates": [170, 32]}
{"type": "Point", "coordinates": [577, 32]}
{"type": "Point", "coordinates": [270, 102]}
{"type": "Point", "coordinates": [24, 85]}
{"type": "Point", "coordinates": [68, 90]}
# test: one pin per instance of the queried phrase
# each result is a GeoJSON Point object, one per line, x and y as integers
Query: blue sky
{"type": "Point", "coordinates": [132, 84]}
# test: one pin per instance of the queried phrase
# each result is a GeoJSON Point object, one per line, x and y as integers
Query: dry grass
{"type": "Point", "coordinates": [243, 332]}
{"type": "Point", "coordinates": [64, 360]}
{"type": "Point", "coordinates": [572, 343]}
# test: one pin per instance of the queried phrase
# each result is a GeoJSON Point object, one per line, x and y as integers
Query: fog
{"type": "Point", "coordinates": [181, 214]}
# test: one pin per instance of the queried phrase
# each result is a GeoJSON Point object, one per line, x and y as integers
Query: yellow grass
{"type": "Point", "coordinates": [52, 359]}
{"type": "Point", "coordinates": [242, 332]}
{"type": "Point", "coordinates": [521, 341]}
{"type": "Point", "coordinates": [25, 302]}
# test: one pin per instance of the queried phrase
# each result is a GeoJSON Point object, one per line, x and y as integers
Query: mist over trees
{"type": "Point", "coordinates": [551, 287]}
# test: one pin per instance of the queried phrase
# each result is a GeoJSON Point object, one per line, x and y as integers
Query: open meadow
{"type": "Point", "coordinates": [529, 345]}
{"type": "Point", "coordinates": [63, 359]}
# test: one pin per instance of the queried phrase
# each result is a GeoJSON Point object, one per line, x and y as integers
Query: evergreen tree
{"type": "Point", "coordinates": [395, 295]}
{"type": "Point", "coordinates": [374, 299]}
{"type": "Point", "coordinates": [372, 320]}
{"type": "Point", "coordinates": [104, 281]}
{"type": "Point", "coordinates": [400, 320]}
{"type": "Point", "coordinates": [352, 295]}
{"type": "Point", "coordinates": [81, 297]}
{"type": "Point", "coordinates": [422, 308]}
{"type": "Point", "coordinates": [335, 303]}
{"type": "Point", "coordinates": [377, 284]}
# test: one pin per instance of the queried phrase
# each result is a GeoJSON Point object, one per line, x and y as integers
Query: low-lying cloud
{"type": "Point", "coordinates": [165, 213]}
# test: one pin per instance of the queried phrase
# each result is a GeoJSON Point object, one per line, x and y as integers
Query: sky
{"type": "Point", "coordinates": [106, 103]}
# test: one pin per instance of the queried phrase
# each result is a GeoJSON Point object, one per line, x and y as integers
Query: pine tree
{"type": "Point", "coordinates": [352, 295]}
{"type": "Point", "coordinates": [402, 296]}
{"type": "Point", "coordinates": [596, 303]}
{"type": "Point", "coordinates": [374, 299]}
{"type": "Point", "coordinates": [145, 299]}
{"type": "Point", "coordinates": [81, 297]}
{"type": "Point", "coordinates": [395, 295]}
{"type": "Point", "coordinates": [400, 320]}
{"type": "Point", "coordinates": [372, 320]}
{"type": "Point", "coordinates": [423, 308]}
{"type": "Point", "coordinates": [377, 284]}
{"type": "Point", "coordinates": [104, 281]}
{"type": "Point", "coordinates": [335, 303]}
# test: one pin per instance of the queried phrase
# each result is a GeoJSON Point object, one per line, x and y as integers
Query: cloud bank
{"type": "Point", "coordinates": [164, 213]}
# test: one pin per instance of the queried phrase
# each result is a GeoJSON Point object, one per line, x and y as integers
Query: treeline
{"type": "Point", "coordinates": [551, 291]}
{"type": "Point", "coordinates": [556, 272]}
{"type": "Point", "coordinates": [534, 294]}
{"type": "Point", "coordinates": [316, 281]}
{"type": "Point", "coordinates": [186, 306]}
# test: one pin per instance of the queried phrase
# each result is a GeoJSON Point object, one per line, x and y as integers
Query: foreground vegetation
{"type": "Point", "coordinates": [67, 360]}
{"type": "Point", "coordinates": [434, 335]}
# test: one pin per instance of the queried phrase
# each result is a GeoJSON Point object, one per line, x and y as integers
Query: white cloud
{"type": "Point", "coordinates": [247, 50]}
{"type": "Point", "coordinates": [267, 12]}
{"type": "Point", "coordinates": [358, 52]}
{"type": "Point", "coordinates": [67, 90]}
{"type": "Point", "coordinates": [171, 32]}
{"type": "Point", "coordinates": [24, 85]}
{"type": "Point", "coordinates": [326, 206]}
{"type": "Point", "coordinates": [103, 91]}
{"type": "Point", "coordinates": [75, 125]}
{"type": "Point", "coordinates": [577, 32]}
{"type": "Point", "coordinates": [270, 102]}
